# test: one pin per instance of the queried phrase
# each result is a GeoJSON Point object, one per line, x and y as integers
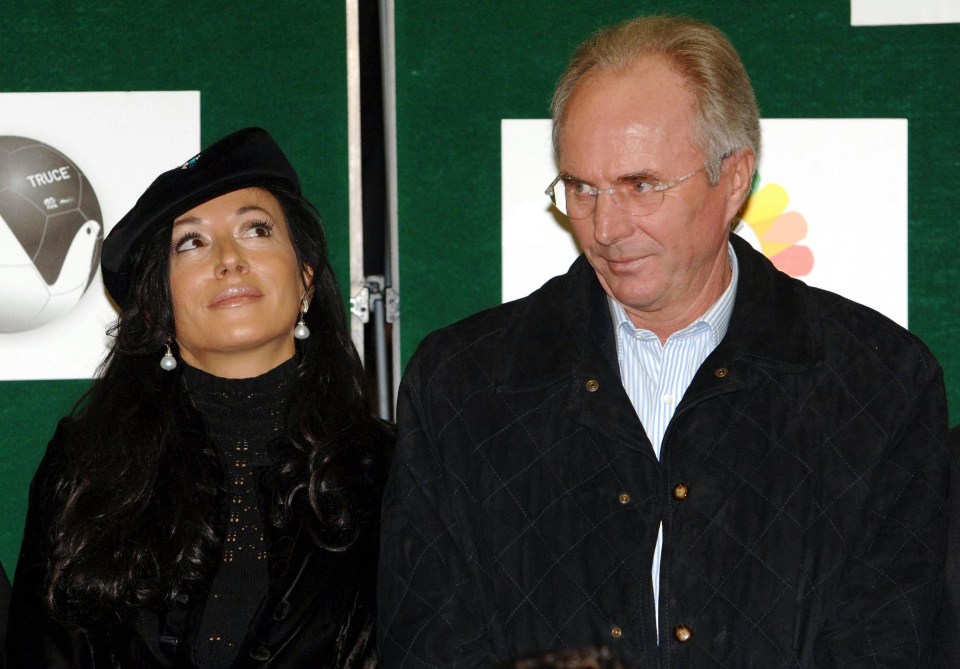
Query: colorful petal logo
{"type": "Point", "coordinates": [776, 231]}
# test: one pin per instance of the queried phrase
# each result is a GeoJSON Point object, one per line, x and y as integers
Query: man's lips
{"type": "Point", "coordinates": [624, 264]}
{"type": "Point", "coordinates": [234, 296]}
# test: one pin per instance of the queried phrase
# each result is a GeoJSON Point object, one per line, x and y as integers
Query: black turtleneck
{"type": "Point", "coordinates": [242, 417]}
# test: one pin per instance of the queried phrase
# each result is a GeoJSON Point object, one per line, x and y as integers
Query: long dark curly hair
{"type": "Point", "coordinates": [135, 500]}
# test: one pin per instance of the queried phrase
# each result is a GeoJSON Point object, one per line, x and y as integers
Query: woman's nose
{"type": "Point", "coordinates": [230, 257]}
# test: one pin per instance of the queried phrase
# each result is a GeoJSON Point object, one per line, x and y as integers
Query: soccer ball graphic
{"type": "Point", "coordinates": [51, 232]}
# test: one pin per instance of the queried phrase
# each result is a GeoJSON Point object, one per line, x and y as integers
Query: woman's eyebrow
{"type": "Point", "coordinates": [195, 220]}
{"type": "Point", "coordinates": [252, 207]}
{"type": "Point", "coordinates": [187, 220]}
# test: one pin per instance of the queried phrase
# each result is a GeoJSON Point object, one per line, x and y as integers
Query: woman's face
{"type": "Point", "coordinates": [236, 284]}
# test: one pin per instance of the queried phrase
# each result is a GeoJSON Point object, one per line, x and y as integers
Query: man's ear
{"type": "Point", "coordinates": [740, 169]}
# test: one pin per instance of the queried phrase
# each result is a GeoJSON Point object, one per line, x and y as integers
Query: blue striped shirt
{"type": "Point", "coordinates": [656, 376]}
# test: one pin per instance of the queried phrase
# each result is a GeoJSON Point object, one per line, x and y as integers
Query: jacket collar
{"type": "Point", "coordinates": [772, 321]}
{"type": "Point", "coordinates": [561, 326]}
{"type": "Point", "coordinates": [564, 328]}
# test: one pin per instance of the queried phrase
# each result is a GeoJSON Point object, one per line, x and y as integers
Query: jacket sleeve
{"type": "Point", "coordinates": [884, 613]}
{"type": "Point", "coordinates": [428, 613]}
{"type": "Point", "coordinates": [947, 633]}
{"type": "Point", "coordinates": [34, 639]}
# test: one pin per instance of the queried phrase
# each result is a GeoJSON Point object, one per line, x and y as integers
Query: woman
{"type": "Point", "coordinates": [213, 501]}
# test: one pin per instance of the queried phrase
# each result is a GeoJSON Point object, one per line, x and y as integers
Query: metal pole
{"type": "Point", "coordinates": [354, 167]}
{"type": "Point", "coordinates": [384, 395]}
{"type": "Point", "coordinates": [392, 264]}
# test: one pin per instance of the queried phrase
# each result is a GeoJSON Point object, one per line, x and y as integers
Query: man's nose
{"type": "Point", "coordinates": [610, 222]}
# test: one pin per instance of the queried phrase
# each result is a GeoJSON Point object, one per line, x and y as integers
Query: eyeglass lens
{"type": "Point", "coordinates": [577, 200]}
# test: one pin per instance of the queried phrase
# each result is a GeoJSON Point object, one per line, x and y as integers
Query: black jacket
{"type": "Point", "coordinates": [801, 487]}
{"type": "Point", "coordinates": [319, 610]}
{"type": "Point", "coordinates": [4, 605]}
{"type": "Point", "coordinates": [948, 619]}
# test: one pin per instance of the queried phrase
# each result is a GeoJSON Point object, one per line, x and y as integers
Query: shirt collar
{"type": "Point", "coordinates": [716, 317]}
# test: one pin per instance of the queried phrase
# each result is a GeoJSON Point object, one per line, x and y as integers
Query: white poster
{"type": "Point", "coordinates": [71, 165]}
{"type": "Point", "coordinates": [829, 207]}
{"type": "Point", "coordinates": [898, 12]}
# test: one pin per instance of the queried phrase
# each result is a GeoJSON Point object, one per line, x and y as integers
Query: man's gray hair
{"type": "Point", "coordinates": [727, 115]}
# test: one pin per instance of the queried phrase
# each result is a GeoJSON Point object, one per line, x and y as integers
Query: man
{"type": "Point", "coordinates": [673, 449]}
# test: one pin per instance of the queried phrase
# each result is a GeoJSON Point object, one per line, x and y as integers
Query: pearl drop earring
{"type": "Point", "coordinates": [301, 331]}
{"type": "Point", "coordinates": [168, 363]}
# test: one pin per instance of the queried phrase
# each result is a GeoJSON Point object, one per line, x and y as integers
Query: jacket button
{"type": "Point", "coordinates": [624, 498]}
{"type": "Point", "coordinates": [260, 653]}
{"type": "Point", "coordinates": [682, 633]}
{"type": "Point", "coordinates": [721, 372]}
{"type": "Point", "coordinates": [616, 632]}
{"type": "Point", "coordinates": [680, 491]}
{"type": "Point", "coordinates": [591, 385]}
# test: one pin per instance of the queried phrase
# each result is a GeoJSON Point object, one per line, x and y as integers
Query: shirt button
{"type": "Point", "coordinates": [667, 398]}
{"type": "Point", "coordinates": [260, 653]}
{"type": "Point", "coordinates": [680, 491]}
{"type": "Point", "coordinates": [616, 632]}
{"type": "Point", "coordinates": [721, 372]}
{"type": "Point", "coordinates": [624, 498]}
{"type": "Point", "coordinates": [682, 633]}
{"type": "Point", "coordinates": [591, 385]}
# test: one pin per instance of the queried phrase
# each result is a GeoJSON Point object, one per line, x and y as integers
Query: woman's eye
{"type": "Point", "coordinates": [259, 229]}
{"type": "Point", "coordinates": [188, 242]}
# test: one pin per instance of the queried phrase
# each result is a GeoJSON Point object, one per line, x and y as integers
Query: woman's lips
{"type": "Point", "coordinates": [234, 297]}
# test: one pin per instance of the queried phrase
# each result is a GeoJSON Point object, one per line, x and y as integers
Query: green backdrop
{"type": "Point", "coordinates": [280, 65]}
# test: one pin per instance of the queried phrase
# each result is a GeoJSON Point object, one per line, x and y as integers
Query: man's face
{"type": "Point", "coordinates": [668, 267]}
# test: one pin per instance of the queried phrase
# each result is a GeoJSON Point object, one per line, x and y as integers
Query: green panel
{"type": "Point", "coordinates": [29, 411]}
{"type": "Point", "coordinates": [280, 65]}
{"type": "Point", "coordinates": [459, 73]}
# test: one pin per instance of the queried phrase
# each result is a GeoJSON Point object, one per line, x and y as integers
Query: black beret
{"type": "Point", "coordinates": [246, 158]}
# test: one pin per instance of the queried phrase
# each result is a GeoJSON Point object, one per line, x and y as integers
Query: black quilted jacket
{"type": "Point", "coordinates": [801, 490]}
